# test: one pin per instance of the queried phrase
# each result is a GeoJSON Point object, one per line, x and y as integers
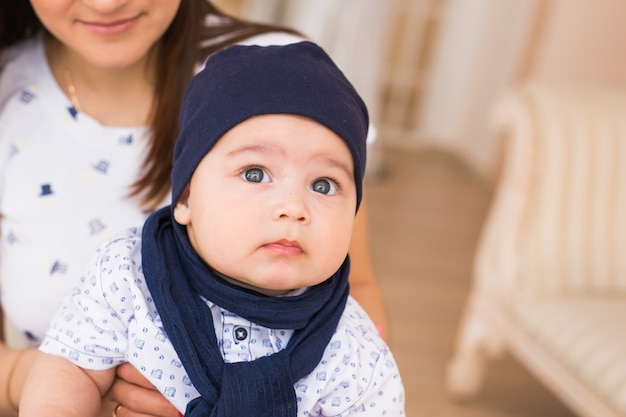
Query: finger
{"type": "Point", "coordinates": [129, 373]}
{"type": "Point", "coordinates": [123, 411]}
{"type": "Point", "coordinates": [138, 401]}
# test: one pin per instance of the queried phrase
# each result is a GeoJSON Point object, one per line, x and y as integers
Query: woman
{"type": "Point", "coordinates": [89, 100]}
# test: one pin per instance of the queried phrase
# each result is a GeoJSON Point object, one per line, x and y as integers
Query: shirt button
{"type": "Point", "coordinates": [241, 334]}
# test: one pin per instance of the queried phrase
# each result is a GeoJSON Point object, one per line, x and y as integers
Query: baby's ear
{"type": "Point", "coordinates": [182, 214]}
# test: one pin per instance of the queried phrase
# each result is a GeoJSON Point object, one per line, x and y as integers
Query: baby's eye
{"type": "Point", "coordinates": [255, 174]}
{"type": "Point", "coordinates": [324, 186]}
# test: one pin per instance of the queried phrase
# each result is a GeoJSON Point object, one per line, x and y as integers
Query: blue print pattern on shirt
{"type": "Point", "coordinates": [102, 166]}
{"type": "Point", "coordinates": [58, 268]}
{"type": "Point", "coordinates": [14, 150]}
{"type": "Point", "coordinates": [46, 190]}
{"type": "Point", "coordinates": [73, 112]}
{"type": "Point", "coordinates": [96, 226]}
{"type": "Point", "coordinates": [126, 140]}
{"type": "Point", "coordinates": [11, 238]}
{"type": "Point", "coordinates": [27, 96]}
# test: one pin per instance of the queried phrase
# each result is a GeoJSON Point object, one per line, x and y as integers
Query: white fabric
{"type": "Point", "coordinates": [111, 319]}
{"type": "Point", "coordinates": [271, 38]}
{"type": "Point", "coordinates": [584, 333]}
{"type": "Point", "coordinates": [62, 185]}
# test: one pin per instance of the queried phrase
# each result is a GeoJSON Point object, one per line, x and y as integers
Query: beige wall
{"type": "Point", "coordinates": [487, 45]}
{"type": "Point", "coordinates": [583, 42]}
{"type": "Point", "coordinates": [480, 49]}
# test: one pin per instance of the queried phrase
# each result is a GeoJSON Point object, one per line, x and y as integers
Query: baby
{"type": "Point", "coordinates": [234, 300]}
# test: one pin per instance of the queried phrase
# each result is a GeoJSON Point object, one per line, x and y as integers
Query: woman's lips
{"type": "Point", "coordinates": [111, 28]}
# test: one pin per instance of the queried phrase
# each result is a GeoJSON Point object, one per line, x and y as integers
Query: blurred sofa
{"type": "Point", "coordinates": [549, 282]}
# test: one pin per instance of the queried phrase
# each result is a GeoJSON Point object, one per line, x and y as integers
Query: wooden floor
{"type": "Point", "coordinates": [425, 215]}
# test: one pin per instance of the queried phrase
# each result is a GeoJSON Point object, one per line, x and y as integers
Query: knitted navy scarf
{"type": "Point", "coordinates": [178, 278]}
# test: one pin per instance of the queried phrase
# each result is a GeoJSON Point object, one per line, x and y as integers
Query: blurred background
{"type": "Point", "coordinates": [431, 71]}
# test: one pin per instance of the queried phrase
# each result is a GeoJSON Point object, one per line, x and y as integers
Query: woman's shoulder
{"type": "Point", "coordinates": [11, 52]}
{"type": "Point", "coordinates": [18, 63]}
{"type": "Point", "coordinates": [272, 38]}
{"type": "Point", "coordinates": [23, 52]}
{"type": "Point", "coordinates": [265, 39]}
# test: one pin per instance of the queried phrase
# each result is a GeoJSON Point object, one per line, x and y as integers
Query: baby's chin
{"type": "Point", "coordinates": [272, 290]}
{"type": "Point", "coordinates": [277, 278]}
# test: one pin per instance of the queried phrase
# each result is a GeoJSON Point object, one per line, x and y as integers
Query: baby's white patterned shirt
{"type": "Point", "coordinates": [111, 319]}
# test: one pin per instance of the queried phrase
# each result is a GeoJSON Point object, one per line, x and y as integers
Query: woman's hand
{"type": "Point", "coordinates": [137, 396]}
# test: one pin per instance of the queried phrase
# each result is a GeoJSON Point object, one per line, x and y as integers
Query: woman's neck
{"type": "Point", "coordinates": [112, 96]}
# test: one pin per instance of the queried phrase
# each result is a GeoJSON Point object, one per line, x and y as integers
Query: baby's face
{"type": "Point", "coordinates": [272, 204]}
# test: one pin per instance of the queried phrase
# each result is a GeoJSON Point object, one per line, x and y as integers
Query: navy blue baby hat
{"type": "Point", "coordinates": [244, 81]}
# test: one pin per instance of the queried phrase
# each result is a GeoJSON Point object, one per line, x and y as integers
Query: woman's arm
{"type": "Point", "coordinates": [363, 284]}
{"type": "Point", "coordinates": [57, 387]}
{"type": "Point", "coordinates": [14, 367]}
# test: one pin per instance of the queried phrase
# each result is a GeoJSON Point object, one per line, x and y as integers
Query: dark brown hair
{"type": "Point", "coordinates": [198, 30]}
